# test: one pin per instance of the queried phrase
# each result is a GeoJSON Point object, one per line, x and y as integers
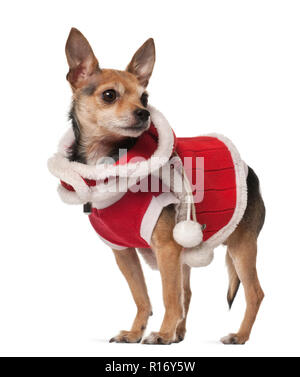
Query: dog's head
{"type": "Point", "coordinates": [109, 104]}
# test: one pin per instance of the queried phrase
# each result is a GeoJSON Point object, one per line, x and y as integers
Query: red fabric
{"type": "Point", "coordinates": [120, 223]}
{"type": "Point", "coordinates": [67, 186]}
{"type": "Point", "coordinates": [89, 182]}
{"type": "Point", "coordinates": [144, 148]}
{"type": "Point", "coordinates": [219, 201]}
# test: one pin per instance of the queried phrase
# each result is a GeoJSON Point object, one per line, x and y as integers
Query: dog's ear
{"type": "Point", "coordinates": [143, 61]}
{"type": "Point", "coordinates": [81, 59]}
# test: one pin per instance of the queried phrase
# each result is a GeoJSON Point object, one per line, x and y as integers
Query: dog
{"type": "Point", "coordinates": [109, 112]}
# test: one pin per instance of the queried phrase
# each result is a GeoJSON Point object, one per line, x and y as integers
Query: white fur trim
{"type": "Point", "coordinates": [59, 166]}
{"type": "Point", "coordinates": [153, 212]}
{"type": "Point", "coordinates": [246, 169]}
{"type": "Point", "coordinates": [207, 247]}
{"type": "Point", "coordinates": [112, 245]}
{"type": "Point", "coordinates": [72, 172]}
{"type": "Point", "coordinates": [108, 201]}
{"type": "Point", "coordinates": [69, 197]}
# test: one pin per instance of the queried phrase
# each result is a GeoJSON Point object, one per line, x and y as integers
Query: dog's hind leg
{"type": "Point", "coordinates": [241, 260]}
{"type": "Point", "coordinates": [187, 294]}
{"type": "Point", "coordinates": [234, 281]}
{"type": "Point", "coordinates": [130, 266]}
{"type": "Point", "coordinates": [243, 255]}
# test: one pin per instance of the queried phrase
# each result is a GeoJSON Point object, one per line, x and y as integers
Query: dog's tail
{"type": "Point", "coordinates": [234, 281]}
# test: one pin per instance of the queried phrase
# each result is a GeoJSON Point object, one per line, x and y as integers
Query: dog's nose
{"type": "Point", "coordinates": [142, 114]}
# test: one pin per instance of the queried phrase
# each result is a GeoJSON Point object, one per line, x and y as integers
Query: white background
{"type": "Point", "coordinates": [231, 67]}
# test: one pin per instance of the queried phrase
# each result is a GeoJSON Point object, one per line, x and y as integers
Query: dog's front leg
{"type": "Point", "coordinates": [187, 293]}
{"type": "Point", "coordinates": [168, 254]}
{"type": "Point", "coordinates": [130, 266]}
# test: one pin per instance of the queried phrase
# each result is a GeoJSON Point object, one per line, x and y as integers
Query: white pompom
{"type": "Point", "coordinates": [198, 257]}
{"type": "Point", "coordinates": [188, 233]}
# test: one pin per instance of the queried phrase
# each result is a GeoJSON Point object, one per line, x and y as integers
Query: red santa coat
{"type": "Point", "coordinates": [129, 219]}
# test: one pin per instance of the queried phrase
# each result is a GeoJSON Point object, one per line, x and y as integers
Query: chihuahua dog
{"type": "Point", "coordinates": [109, 112]}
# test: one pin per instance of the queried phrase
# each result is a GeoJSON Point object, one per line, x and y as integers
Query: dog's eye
{"type": "Point", "coordinates": [109, 95]}
{"type": "Point", "coordinates": [144, 99]}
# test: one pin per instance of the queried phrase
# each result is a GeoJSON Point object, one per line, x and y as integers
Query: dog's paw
{"type": "Point", "coordinates": [180, 333]}
{"type": "Point", "coordinates": [179, 337]}
{"type": "Point", "coordinates": [157, 338]}
{"type": "Point", "coordinates": [127, 337]}
{"type": "Point", "coordinates": [234, 339]}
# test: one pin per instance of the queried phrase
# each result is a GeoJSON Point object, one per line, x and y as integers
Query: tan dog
{"type": "Point", "coordinates": [109, 111]}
